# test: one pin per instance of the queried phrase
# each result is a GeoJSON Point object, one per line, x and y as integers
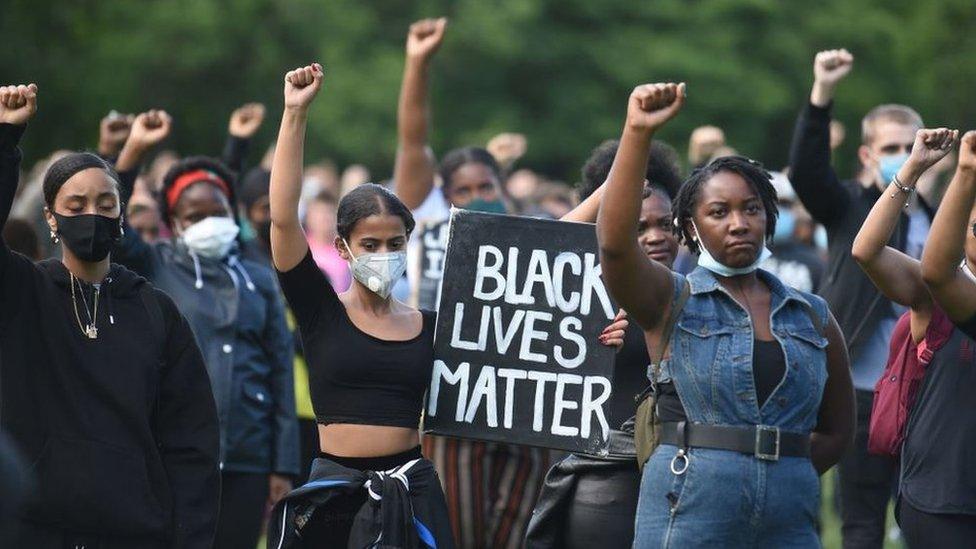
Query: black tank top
{"type": "Point", "coordinates": [768, 368]}
{"type": "Point", "coordinates": [353, 376]}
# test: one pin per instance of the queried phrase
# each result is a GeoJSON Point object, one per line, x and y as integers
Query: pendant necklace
{"type": "Point", "coordinates": [90, 330]}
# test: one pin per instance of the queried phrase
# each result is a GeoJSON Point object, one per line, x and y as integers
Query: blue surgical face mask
{"type": "Point", "coordinates": [707, 261]}
{"type": "Point", "coordinates": [889, 164]}
{"type": "Point", "coordinates": [820, 237]}
{"type": "Point", "coordinates": [785, 224]}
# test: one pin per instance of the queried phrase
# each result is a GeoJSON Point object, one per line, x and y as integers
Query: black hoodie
{"type": "Point", "coordinates": [121, 430]}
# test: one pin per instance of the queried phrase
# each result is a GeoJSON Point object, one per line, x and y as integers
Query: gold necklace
{"type": "Point", "coordinates": [90, 330]}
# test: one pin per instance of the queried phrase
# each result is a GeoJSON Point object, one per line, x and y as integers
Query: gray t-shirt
{"type": "Point", "coordinates": [939, 456]}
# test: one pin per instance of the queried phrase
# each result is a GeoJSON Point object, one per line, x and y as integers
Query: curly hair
{"type": "Point", "coordinates": [752, 171]}
{"type": "Point", "coordinates": [662, 168]}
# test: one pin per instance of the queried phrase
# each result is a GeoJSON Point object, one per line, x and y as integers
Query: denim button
{"type": "Point", "coordinates": [228, 348]}
{"type": "Point", "coordinates": [781, 401]}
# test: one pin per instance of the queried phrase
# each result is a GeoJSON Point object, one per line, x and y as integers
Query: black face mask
{"type": "Point", "coordinates": [90, 237]}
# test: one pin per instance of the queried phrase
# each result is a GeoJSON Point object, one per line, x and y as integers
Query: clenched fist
{"type": "Point", "coordinates": [929, 147]}
{"type": "Point", "coordinates": [651, 105]}
{"type": "Point", "coordinates": [425, 37]}
{"type": "Point", "coordinates": [507, 147]}
{"type": "Point", "coordinates": [113, 131]}
{"type": "Point", "coordinates": [246, 120]}
{"type": "Point", "coordinates": [301, 85]}
{"type": "Point", "coordinates": [17, 103]}
{"type": "Point", "coordinates": [967, 152]}
{"type": "Point", "coordinates": [829, 68]}
{"type": "Point", "coordinates": [149, 128]}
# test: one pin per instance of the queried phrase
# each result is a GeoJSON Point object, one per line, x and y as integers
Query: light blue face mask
{"type": "Point", "coordinates": [889, 165]}
{"type": "Point", "coordinates": [707, 261]}
{"type": "Point", "coordinates": [820, 237]}
{"type": "Point", "coordinates": [785, 224]}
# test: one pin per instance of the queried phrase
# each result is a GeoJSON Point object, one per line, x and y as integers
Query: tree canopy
{"type": "Point", "coordinates": [558, 71]}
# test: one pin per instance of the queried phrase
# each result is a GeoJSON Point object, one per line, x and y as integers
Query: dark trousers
{"type": "Point", "coordinates": [865, 483]}
{"type": "Point", "coordinates": [243, 497]}
{"type": "Point", "coordinates": [923, 529]}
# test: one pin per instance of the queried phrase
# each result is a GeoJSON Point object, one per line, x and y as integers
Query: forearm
{"type": "Point", "coordinates": [588, 209]}
{"type": "Point", "coordinates": [286, 171]}
{"type": "Point", "coordinates": [413, 174]}
{"type": "Point", "coordinates": [131, 156]}
{"type": "Point", "coordinates": [812, 177]}
{"type": "Point", "coordinates": [235, 153]}
{"type": "Point", "coordinates": [944, 246]}
{"type": "Point", "coordinates": [621, 201]}
{"type": "Point", "coordinates": [10, 158]}
{"type": "Point", "coordinates": [883, 218]}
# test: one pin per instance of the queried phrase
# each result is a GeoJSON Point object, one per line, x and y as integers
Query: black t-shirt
{"type": "Point", "coordinates": [629, 376]}
{"type": "Point", "coordinates": [353, 376]}
{"type": "Point", "coordinates": [939, 454]}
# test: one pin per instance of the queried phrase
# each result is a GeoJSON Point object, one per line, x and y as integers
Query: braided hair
{"type": "Point", "coordinates": [754, 174]}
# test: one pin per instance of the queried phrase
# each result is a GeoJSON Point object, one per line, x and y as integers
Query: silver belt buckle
{"type": "Point", "coordinates": [760, 430]}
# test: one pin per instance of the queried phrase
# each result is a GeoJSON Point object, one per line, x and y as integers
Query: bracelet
{"type": "Point", "coordinates": [905, 189]}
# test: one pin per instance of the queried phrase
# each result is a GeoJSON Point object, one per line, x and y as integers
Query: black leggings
{"type": "Point", "coordinates": [923, 529]}
{"type": "Point", "coordinates": [330, 527]}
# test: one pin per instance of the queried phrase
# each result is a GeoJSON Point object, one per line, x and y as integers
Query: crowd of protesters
{"type": "Point", "coordinates": [198, 351]}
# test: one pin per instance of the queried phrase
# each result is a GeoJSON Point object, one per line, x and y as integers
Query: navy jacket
{"type": "Point", "coordinates": [237, 314]}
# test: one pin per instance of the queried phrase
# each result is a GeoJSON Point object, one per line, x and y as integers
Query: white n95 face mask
{"type": "Point", "coordinates": [212, 237]}
{"type": "Point", "coordinates": [378, 271]}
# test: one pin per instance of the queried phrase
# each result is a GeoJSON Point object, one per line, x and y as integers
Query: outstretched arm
{"type": "Point", "coordinates": [952, 289]}
{"type": "Point", "coordinates": [113, 130]}
{"type": "Point", "coordinates": [413, 174]}
{"type": "Point", "coordinates": [148, 130]}
{"type": "Point", "coordinates": [835, 423]}
{"type": "Point", "coordinates": [641, 287]}
{"type": "Point", "coordinates": [898, 276]}
{"type": "Point", "coordinates": [288, 244]}
{"type": "Point", "coordinates": [17, 105]}
{"type": "Point", "coordinates": [811, 174]}
{"type": "Point", "coordinates": [244, 122]}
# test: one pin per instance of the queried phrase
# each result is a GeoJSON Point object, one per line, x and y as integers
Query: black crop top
{"type": "Point", "coordinates": [353, 376]}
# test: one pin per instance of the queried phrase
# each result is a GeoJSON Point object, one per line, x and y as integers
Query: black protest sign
{"type": "Point", "coordinates": [516, 354]}
{"type": "Point", "coordinates": [432, 251]}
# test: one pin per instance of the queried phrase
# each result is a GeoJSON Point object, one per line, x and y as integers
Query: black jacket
{"type": "Point", "coordinates": [842, 207]}
{"type": "Point", "coordinates": [406, 508]}
{"type": "Point", "coordinates": [121, 431]}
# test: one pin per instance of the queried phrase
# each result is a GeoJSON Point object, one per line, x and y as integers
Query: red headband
{"type": "Point", "coordinates": [189, 178]}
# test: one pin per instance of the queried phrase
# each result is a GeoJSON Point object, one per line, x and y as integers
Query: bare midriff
{"type": "Point", "coordinates": [352, 440]}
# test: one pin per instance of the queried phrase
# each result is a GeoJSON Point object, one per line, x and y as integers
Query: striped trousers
{"type": "Point", "coordinates": [491, 488]}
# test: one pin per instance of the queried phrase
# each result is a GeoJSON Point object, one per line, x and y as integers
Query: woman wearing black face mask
{"type": "Point", "coordinates": [237, 315]}
{"type": "Point", "coordinates": [102, 385]}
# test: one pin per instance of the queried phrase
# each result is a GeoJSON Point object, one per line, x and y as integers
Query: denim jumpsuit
{"type": "Point", "coordinates": [725, 498]}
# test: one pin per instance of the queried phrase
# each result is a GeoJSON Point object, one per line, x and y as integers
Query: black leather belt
{"type": "Point", "coordinates": [763, 442]}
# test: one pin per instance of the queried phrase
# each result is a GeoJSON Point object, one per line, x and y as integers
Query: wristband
{"type": "Point", "coordinates": [905, 189]}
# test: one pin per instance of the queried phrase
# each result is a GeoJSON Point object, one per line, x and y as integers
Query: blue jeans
{"type": "Point", "coordinates": [727, 499]}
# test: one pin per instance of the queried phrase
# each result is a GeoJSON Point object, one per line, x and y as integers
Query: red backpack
{"type": "Point", "coordinates": [895, 393]}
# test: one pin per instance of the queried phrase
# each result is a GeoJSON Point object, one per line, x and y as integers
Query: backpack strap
{"type": "Point", "coordinates": [662, 346]}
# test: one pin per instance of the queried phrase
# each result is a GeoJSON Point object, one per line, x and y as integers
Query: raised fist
{"type": "Point", "coordinates": [651, 105]}
{"type": "Point", "coordinates": [113, 131]}
{"type": "Point", "coordinates": [967, 152]}
{"type": "Point", "coordinates": [507, 147]}
{"type": "Point", "coordinates": [149, 128]}
{"type": "Point", "coordinates": [301, 85]}
{"type": "Point", "coordinates": [246, 120]}
{"type": "Point", "coordinates": [425, 37]}
{"type": "Point", "coordinates": [831, 66]}
{"type": "Point", "coordinates": [930, 146]}
{"type": "Point", "coordinates": [17, 103]}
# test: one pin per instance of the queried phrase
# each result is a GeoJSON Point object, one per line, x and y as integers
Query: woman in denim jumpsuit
{"type": "Point", "coordinates": [708, 497]}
